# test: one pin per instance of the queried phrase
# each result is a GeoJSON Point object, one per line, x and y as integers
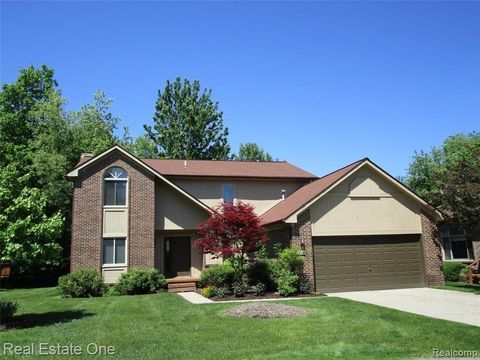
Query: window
{"type": "Point", "coordinates": [456, 244]}
{"type": "Point", "coordinates": [115, 187]}
{"type": "Point", "coordinates": [113, 251]}
{"type": "Point", "coordinates": [228, 194]}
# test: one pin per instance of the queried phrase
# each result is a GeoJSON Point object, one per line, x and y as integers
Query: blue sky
{"type": "Point", "coordinates": [319, 84]}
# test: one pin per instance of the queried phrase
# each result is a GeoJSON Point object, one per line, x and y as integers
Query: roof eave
{"type": "Point", "coordinates": [74, 173]}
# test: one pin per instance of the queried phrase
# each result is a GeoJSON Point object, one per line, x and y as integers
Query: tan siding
{"type": "Point", "coordinates": [112, 275]}
{"type": "Point", "coordinates": [115, 222]}
{"type": "Point", "coordinates": [365, 204]}
{"type": "Point", "coordinates": [174, 211]}
{"type": "Point", "coordinates": [262, 195]}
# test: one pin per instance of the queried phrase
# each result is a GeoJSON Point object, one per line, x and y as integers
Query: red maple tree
{"type": "Point", "coordinates": [232, 231]}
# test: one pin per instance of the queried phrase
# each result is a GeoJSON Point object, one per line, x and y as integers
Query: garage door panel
{"type": "Point", "coordinates": [368, 262]}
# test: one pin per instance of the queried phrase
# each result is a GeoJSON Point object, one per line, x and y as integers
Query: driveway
{"type": "Point", "coordinates": [456, 306]}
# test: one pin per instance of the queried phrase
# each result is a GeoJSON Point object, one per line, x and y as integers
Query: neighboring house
{"type": "Point", "coordinates": [358, 227]}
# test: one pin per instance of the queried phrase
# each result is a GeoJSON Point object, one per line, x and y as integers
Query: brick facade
{"type": "Point", "coordinates": [302, 237]}
{"type": "Point", "coordinates": [432, 251]}
{"type": "Point", "coordinates": [87, 216]}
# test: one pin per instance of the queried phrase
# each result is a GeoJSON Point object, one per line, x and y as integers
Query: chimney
{"type": "Point", "coordinates": [184, 163]}
{"type": "Point", "coordinates": [283, 191]}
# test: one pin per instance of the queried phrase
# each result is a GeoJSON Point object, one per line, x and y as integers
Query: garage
{"type": "Point", "coordinates": [368, 262]}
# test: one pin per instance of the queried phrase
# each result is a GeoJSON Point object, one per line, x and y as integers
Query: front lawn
{"type": "Point", "coordinates": [459, 286]}
{"type": "Point", "coordinates": [164, 326]}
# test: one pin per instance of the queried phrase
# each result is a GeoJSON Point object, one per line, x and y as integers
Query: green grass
{"type": "Point", "coordinates": [164, 326]}
{"type": "Point", "coordinates": [459, 286]}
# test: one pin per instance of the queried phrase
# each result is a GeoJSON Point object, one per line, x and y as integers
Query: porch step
{"type": "Point", "coordinates": [182, 286]}
{"type": "Point", "coordinates": [182, 289]}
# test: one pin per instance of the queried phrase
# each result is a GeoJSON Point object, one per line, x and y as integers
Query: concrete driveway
{"type": "Point", "coordinates": [456, 306]}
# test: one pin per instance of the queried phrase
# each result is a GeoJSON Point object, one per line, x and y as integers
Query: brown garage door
{"type": "Point", "coordinates": [346, 263]}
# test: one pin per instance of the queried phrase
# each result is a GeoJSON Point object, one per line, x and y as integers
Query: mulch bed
{"type": "Point", "coordinates": [269, 295]}
{"type": "Point", "coordinates": [264, 310]}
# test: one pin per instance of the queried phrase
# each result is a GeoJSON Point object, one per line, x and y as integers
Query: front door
{"type": "Point", "coordinates": [177, 256]}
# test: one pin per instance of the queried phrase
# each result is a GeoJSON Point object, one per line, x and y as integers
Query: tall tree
{"type": "Point", "coordinates": [252, 152]}
{"type": "Point", "coordinates": [39, 144]}
{"type": "Point", "coordinates": [188, 124]}
{"type": "Point", "coordinates": [30, 223]}
{"type": "Point", "coordinates": [449, 177]}
{"type": "Point", "coordinates": [94, 125]}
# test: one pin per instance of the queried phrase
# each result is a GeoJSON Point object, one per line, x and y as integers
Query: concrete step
{"type": "Point", "coordinates": [182, 289]}
{"type": "Point", "coordinates": [180, 285]}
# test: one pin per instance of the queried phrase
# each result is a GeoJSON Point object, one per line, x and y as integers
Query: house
{"type": "Point", "coordinates": [358, 227]}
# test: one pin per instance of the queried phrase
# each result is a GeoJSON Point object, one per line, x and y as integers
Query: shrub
{"type": "Point", "coordinates": [452, 270]}
{"type": "Point", "coordinates": [258, 289]}
{"type": "Point", "coordinates": [261, 271]}
{"type": "Point", "coordinates": [140, 281]}
{"type": "Point", "coordinates": [218, 276]}
{"type": "Point", "coordinates": [291, 259]}
{"type": "Point", "coordinates": [304, 286]}
{"type": "Point", "coordinates": [239, 289]}
{"type": "Point", "coordinates": [111, 291]}
{"type": "Point", "coordinates": [208, 291]}
{"type": "Point", "coordinates": [7, 310]}
{"type": "Point", "coordinates": [221, 291]}
{"type": "Point", "coordinates": [286, 282]}
{"type": "Point", "coordinates": [81, 283]}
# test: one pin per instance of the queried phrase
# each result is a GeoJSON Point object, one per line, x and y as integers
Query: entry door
{"type": "Point", "coordinates": [177, 256]}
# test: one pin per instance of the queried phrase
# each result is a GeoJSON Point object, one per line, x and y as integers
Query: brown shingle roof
{"type": "Point", "coordinates": [287, 207]}
{"type": "Point", "coordinates": [218, 168]}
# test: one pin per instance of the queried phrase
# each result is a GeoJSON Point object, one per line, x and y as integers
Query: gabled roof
{"type": "Point", "coordinates": [230, 168]}
{"type": "Point", "coordinates": [308, 194]}
{"type": "Point", "coordinates": [291, 204]}
{"type": "Point", "coordinates": [88, 161]}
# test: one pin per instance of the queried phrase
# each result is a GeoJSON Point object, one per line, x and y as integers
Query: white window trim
{"type": "Point", "coordinates": [114, 265]}
{"type": "Point", "coordinates": [116, 179]}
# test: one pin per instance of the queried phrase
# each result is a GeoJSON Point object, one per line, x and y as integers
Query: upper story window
{"type": "Point", "coordinates": [228, 193]}
{"type": "Point", "coordinates": [456, 244]}
{"type": "Point", "coordinates": [115, 187]}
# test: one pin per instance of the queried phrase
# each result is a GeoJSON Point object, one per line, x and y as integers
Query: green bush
{"type": "Point", "coordinates": [81, 283]}
{"type": "Point", "coordinates": [261, 271]}
{"type": "Point", "coordinates": [291, 259]}
{"type": "Point", "coordinates": [140, 281]}
{"type": "Point", "coordinates": [218, 276]}
{"type": "Point", "coordinates": [111, 291]}
{"type": "Point", "coordinates": [287, 282]}
{"type": "Point", "coordinates": [239, 289]}
{"type": "Point", "coordinates": [304, 286]}
{"type": "Point", "coordinates": [452, 270]}
{"type": "Point", "coordinates": [258, 289]}
{"type": "Point", "coordinates": [220, 291]}
{"type": "Point", "coordinates": [7, 310]}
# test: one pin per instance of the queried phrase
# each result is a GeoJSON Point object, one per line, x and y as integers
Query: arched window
{"type": "Point", "coordinates": [115, 187]}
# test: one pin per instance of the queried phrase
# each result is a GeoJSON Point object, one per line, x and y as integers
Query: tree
{"type": "Point", "coordinates": [232, 231]}
{"type": "Point", "coordinates": [449, 177]}
{"type": "Point", "coordinates": [39, 143]}
{"type": "Point", "coordinates": [94, 125]}
{"type": "Point", "coordinates": [188, 124]}
{"type": "Point", "coordinates": [252, 152]}
{"type": "Point", "coordinates": [141, 146]}
{"type": "Point", "coordinates": [28, 236]}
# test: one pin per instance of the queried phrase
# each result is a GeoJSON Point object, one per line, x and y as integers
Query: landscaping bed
{"type": "Point", "coordinates": [268, 295]}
